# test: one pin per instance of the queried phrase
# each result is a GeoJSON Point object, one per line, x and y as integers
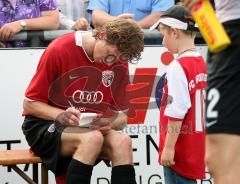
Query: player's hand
{"type": "Point", "coordinates": [167, 158]}
{"type": "Point", "coordinates": [126, 16]}
{"type": "Point", "coordinates": [81, 24]}
{"type": "Point", "coordinates": [103, 123]}
{"type": "Point", "coordinates": [100, 122]}
{"type": "Point", "coordinates": [105, 129]}
{"type": "Point", "coordinates": [189, 4]}
{"type": "Point", "coordinates": [9, 30]}
{"type": "Point", "coordinates": [69, 117]}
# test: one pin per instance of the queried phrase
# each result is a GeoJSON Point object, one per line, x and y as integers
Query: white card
{"type": "Point", "coordinates": [86, 119]}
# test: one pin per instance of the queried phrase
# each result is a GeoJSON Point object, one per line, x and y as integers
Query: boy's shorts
{"type": "Point", "coordinates": [223, 86]}
{"type": "Point", "coordinates": [44, 138]}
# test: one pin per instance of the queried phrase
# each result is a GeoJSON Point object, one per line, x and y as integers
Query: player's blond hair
{"type": "Point", "coordinates": [126, 35]}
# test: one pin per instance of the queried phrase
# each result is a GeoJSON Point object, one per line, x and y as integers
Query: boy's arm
{"type": "Point", "coordinates": [173, 131]}
{"type": "Point", "coordinates": [176, 109]}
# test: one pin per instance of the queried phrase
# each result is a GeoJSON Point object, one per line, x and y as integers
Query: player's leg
{"type": "Point", "coordinates": [118, 148]}
{"type": "Point", "coordinates": [222, 110]}
{"type": "Point", "coordinates": [84, 146]}
{"type": "Point", "coordinates": [222, 158]}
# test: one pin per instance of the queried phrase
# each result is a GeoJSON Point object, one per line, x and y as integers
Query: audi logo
{"type": "Point", "coordinates": [87, 97]}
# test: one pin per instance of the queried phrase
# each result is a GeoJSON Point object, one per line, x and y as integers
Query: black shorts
{"type": "Point", "coordinates": [44, 138]}
{"type": "Point", "coordinates": [223, 86]}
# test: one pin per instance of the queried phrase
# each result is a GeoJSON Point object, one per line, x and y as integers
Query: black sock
{"type": "Point", "coordinates": [79, 173]}
{"type": "Point", "coordinates": [123, 174]}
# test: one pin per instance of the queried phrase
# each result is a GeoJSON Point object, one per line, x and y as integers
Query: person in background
{"type": "Point", "coordinates": [18, 15]}
{"type": "Point", "coordinates": [182, 133]}
{"type": "Point", "coordinates": [222, 104]}
{"type": "Point", "coordinates": [73, 14]}
{"type": "Point", "coordinates": [68, 24]}
{"type": "Point", "coordinates": [145, 12]}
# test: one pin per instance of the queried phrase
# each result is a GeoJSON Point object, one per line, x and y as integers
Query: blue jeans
{"type": "Point", "coordinates": [172, 177]}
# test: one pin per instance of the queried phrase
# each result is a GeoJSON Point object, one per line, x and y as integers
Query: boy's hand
{"type": "Point", "coordinates": [69, 117]}
{"type": "Point", "coordinates": [167, 158]}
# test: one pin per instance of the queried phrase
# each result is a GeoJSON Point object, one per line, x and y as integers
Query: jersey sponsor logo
{"type": "Point", "coordinates": [87, 97]}
{"type": "Point", "coordinates": [89, 80]}
{"type": "Point", "coordinates": [107, 77]}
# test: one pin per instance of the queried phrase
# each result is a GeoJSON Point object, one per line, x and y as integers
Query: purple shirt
{"type": "Point", "coordinates": [24, 9]}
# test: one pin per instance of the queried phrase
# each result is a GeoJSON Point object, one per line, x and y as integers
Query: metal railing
{"type": "Point", "coordinates": [36, 37]}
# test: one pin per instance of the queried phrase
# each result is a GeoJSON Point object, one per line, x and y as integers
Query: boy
{"type": "Point", "coordinates": [87, 73]}
{"type": "Point", "coordinates": [182, 135]}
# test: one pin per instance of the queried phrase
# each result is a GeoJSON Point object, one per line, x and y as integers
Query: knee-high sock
{"type": "Point", "coordinates": [79, 173]}
{"type": "Point", "coordinates": [123, 174]}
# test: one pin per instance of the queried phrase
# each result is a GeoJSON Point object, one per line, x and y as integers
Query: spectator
{"type": "Point", "coordinates": [73, 9]}
{"type": "Point", "coordinates": [73, 14]}
{"type": "Point", "coordinates": [17, 15]}
{"type": "Point", "coordinates": [67, 23]}
{"type": "Point", "coordinates": [145, 12]}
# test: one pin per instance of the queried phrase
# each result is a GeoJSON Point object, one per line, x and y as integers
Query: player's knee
{"type": "Point", "coordinates": [124, 142]}
{"type": "Point", "coordinates": [94, 138]}
{"type": "Point", "coordinates": [91, 139]}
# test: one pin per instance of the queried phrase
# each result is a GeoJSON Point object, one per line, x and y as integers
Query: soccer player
{"type": "Point", "coordinates": [182, 134]}
{"type": "Point", "coordinates": [88, 73]}
{"type": "Point", "coordinates": [222, 104]}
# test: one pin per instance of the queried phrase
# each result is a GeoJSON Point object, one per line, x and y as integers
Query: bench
{"type": "Point", "coordinates": [12, 158]}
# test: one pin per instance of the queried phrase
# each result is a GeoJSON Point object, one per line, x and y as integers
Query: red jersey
{"type": "Point", "coordinates": [67, 77]}
{"type": "Point", "coordinates": [183, 100]}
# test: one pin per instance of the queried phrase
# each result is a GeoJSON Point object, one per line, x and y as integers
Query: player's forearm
{"type": "Point", "coordinates": [48, 21]}
{"type": "Point", "coordinates": [173, 131]}
{"type": "Point", "coordinates": [41, 110]}
{"type": "Point", "coordinates": [99, 18]}
{"type": "Point", "coordinates": [149, 20]}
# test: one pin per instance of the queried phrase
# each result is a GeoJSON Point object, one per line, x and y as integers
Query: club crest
{"type": "Point", "coordinates": [107, 78]}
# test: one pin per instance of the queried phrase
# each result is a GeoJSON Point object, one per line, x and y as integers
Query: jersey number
{"type": "Point", "coordinates": [213, 98]}
{"type": "Point", "coordinates": [199, 110]}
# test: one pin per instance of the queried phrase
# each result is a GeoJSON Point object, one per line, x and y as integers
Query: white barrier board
{"type": "Point", "coordinates": [16, 70]}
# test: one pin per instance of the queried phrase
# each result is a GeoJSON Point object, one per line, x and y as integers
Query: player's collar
{"type": "Point", "coordinates": [78, 40]}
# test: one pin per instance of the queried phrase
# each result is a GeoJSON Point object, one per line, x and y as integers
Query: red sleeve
{"type": "Point", "coordinates": [45, 74]}
{"type": "Point", "coordinates": [119, 88]}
